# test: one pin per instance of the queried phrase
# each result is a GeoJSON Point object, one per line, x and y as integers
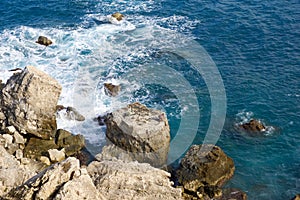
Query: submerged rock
{"type": "Point", "coordinates": [142, 133]}
{"type": "Point", "coordinates": [44, 41]}
{"type": "Point", "coordinates": [119, 180]}
{"type": "Point", "coordinates": [29, 102]}
{"type": "Point", "coordinates": [111, 90]}
{"type": "Point", "coordinates": [253, 126]}
{"type": "Point", "coordinates": [209, 166]}
{"type": "Point", "coordinates": [118, 16]}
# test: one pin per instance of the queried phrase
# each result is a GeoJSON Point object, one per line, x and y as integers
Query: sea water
{"type": "Point", "coordinates": [248, 53]}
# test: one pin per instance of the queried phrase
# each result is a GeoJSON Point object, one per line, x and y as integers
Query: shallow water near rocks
{"type": "Point", "coordinates": [254, 45]}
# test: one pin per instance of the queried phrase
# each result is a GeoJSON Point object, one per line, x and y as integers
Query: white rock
{"type": "Point", "coordinates": [45, 160]}
{"type": "Point", "coordinates": [11, 129]}
{"type": "Point", "coordinates": [19, 139]}
{"type": "Point", "coordinates": [8, 139]}
{"type": "Point", "coordinates": [56, 155]}
{"type": "Point", "coordinates": [19, 154]}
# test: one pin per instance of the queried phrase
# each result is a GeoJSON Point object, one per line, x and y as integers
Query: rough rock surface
{"type": "Point", "coordinates": [119, 180]}
{"type": "Point", "coordinates": [253, 126]}
{"type": "Point", "coordinates": [209, 166]}
{"type": "Point", "coordinates": [71, 143]}
{"type": "Point", "coordinates": [13, 173]}
{"type": "Point", "coordinates": [144, 133]}
{"type": "Point", "coordinates": [37, 147]}
{"type": "Point", "coordinates": [111, 90]}
{"type": "Point", "coordinates": [45, 184]}
{"type": "Point", "coordinates": [81, 187]}
{"type": "Point", "coordinates": [29, 102]}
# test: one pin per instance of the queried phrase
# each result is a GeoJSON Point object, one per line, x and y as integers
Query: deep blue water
{"type": "Point", "coordinates": [254, 44]}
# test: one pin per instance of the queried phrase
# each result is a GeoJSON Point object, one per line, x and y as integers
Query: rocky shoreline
{"type": "Point", "coordinates": [40, 162]}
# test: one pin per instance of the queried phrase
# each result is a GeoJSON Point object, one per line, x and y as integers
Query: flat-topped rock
{"type": "Point", "coordinates": [29, 102]}
{"type": "Point", "coordinates": [142, 132]}
{"type": "Point", "coordinates": [116, 179]}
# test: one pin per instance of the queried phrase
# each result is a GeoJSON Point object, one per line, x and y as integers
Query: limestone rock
{"type": "Point", "coordinates": [56, 155]}
{"type": "Point", "coordinates": [8, 140]}
{"type": "Point", "coordinates": [69, 113]}
{"type": "Point", "coordinates": [12, 173]}
{"type": "Point", "coordinates": [37, 147]}
{"type": "Point", "coordinates": [19, 154]}
{"type": "Point", "coordinates": [143, 133]}
{"type": "Point", "coordinates": [10, 130]}
{"type": "Point", "coordinates": [44, 41]}
{"type": "Point", "coordinates": [81, 187]}
{"type": "Point", "coordinates": [45, 160]}
{"type": "Point", "coordinates": [253, 126]}
{"type": "Point", "coordinates": [208, 166]}
{"type": "Point", "coordinates": [111, 90]}
{"type": "Point", "coordinates": [18, 138]}
{"type": "Point", "coordinates": [119, 180]}
{"type": "Point", "coordinates": [71, 143]}
{"type": "Point", "coordinates": [29, 102]}
{"type": "Point", "coordinates": [45, 184]}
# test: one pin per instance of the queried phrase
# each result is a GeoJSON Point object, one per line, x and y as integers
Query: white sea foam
{"type": "Point", "coordinates": [82, 59]}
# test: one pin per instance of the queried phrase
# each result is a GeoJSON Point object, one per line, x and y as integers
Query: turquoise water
{"type": "Point", "coordinates": [254, 45]}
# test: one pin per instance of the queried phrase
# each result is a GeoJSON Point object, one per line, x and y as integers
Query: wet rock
{"type": "Point", "coordinates": [253, 126]}
{"type": "Point", "coordinates": [118, 16]}
{"type": "Point", "coordinates": [71, 143]}
{"type": "Point", "coordinates": [1, 85]}
{"type": "Point", "coordinates": [101, 120]}
{"type": "Point", "coordinates": [69, 113]}
{"type": "Point", "coordinates": [37, 147]}
{"type": "Point", "coordinates": [56, 155]}
{"type": "Point", "coordinates": [233, 194]}
{"type": "Point", "coordinates": [142, 133]}
{"type": "Point", "coordinates": [297, 197]}
{"type": "Point", "coordinates": [46, 184]}
{"type": "Point", "coordinates": [44, 41]}
{"type": "Point", "coordinates": [73, 114]}
{"type": "Point", "coordinates": [202, 167]}
{"type": "Point", "coordinates": [119, 180]}
{"type": "Point", "coordinates": [29, 102]}
{"type": "Point", "coordinates": [111, 90]}
{"type": "Point", "coordinates": [71, 191]}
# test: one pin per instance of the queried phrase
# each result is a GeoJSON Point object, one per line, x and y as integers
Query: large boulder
{"type": "Point", "coordinates": [29, 102]}
{"type": "Point", "coordinates": [116, 179]}
{"type": "Point", "coordinates": [141, 132]}
{"type": "Point", "coordinates": [204, 167]}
